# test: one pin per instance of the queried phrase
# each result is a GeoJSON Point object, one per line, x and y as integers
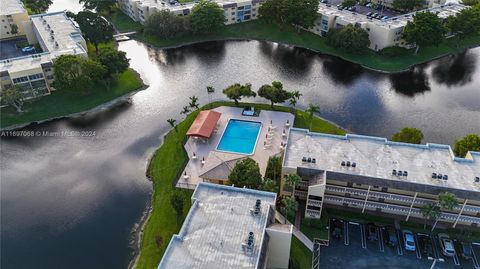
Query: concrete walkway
{"type": "Point", "coordinates": [296, 232]}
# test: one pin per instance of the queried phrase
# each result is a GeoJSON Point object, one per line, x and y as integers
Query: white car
{"type": "Point", "coordinates": [409, 240]}
{"type": "Point", "coordinates": [447, 245]}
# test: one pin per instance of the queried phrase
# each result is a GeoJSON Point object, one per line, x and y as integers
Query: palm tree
{"type": "Point", "coordinates": [445, 201]}
{"type": "Point", "coordinates": [430, 211]}
{"type": "Point", "coordinates": [172, 123]}
{"type": "Point", "coordinates": [186, 110]}
{"type": "Point", "coordinates": [210, 91]}
{"type": "Point", "coordinates": [193, 102]}
{"type": "Point", "coordinates": [269, 185]}
{"type": "Point", "coordinates": [293, 103]}
{"type": "Point", "coordinates": [292, 180]}
{"type": "Point", "coordinates": [290, 206]}
{"type": "Point", "coordinates": [312, 109]}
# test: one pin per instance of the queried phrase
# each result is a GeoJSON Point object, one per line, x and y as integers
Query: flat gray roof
{"type": "Point", "coordinates": [376, 157]}
{"type": "Point", "coordinates": [215, 228]}
{"type": "Point", "coordinates": [10, 7]}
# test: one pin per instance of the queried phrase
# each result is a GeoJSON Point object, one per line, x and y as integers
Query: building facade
{"type": "Point", "coordinates": [235, 10]}
{"type": "Point", "coordinates": [229, 227]}
{"type": "Point", "coordinates": [373, 175]}
{"type": "Point", "coordinates": [57, 35]}
{"type": "Point", "coordinates": [381, 33]}
{"type": "Point", "coordinates": [12, 15]}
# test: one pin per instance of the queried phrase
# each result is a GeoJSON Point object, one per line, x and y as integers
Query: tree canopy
{"type": "Point", "coordinates": [466, 23]}
{"type": "Point", "coordinates": [301, 13]}
{"type": "Point", "coordinates": [470, 142]}
{"type": "Point", "coordinates": [246, 173]}
{"type": "Point", "coordinates": [38, 6]}
{"type": "Point", "coordinates": [236, 91]}
{"type": "Point", "coordinates": [349, 3]}
{"type": "Point", "coordinates": [98, 5]}
{"type": "Point", "coordinates": [349, 38]}
{"type": "Point", "coordinates": [76, 73]}
{"type": "Point", "coordinates": [95, 28]}
{"type": "Point", "coordinates": [177, 201]}
{"type": "Point", "coordinates": [165, 24]}
{"type": "Point", "coordinates": [274, 169]}
{"type": "Point", "coordinates": [408, 135]}
{"type": "Point", "coordinates": [13, 97]}
{"type": "Point", "coordinates": [114, 61]}
{"type": "Point", "coordinates": [206, 17]}
{"type": "Point", "coordinates": [274, 93]}
{"type": "Point", "coordinates": [406, 5]}
{"type": "Point", "coordinates": [426, 29]}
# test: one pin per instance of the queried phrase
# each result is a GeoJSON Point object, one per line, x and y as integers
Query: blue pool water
{"type": "Point", "coordinates": [240, 137]}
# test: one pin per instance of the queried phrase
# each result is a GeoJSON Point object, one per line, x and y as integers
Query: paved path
{"type": "Point", "coordinates": [296, 232]}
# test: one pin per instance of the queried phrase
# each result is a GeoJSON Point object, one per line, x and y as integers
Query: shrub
{"type": "Point", "coordinates": [394, 51]}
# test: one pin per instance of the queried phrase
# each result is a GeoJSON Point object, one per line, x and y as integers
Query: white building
{"type": "Point", "coordinates": [12, 12]}
{"type": "Point", "coordinates": [57, 35]}
{"type": "Point", "coordinates": [235, 10]}
{"type": "Point", "coordinates": [372, 174]}
{"type": "Point", "coordinates": [229, 227]}
{"type": "Point", "coordinates": [382, 33]}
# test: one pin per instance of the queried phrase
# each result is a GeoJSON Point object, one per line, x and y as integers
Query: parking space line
{"type": "Point", "coordinates": [417, 247]}
{"type": "Point", "coordinates": [456, 260]}
{"type": "Point", "coordinates": [345, 231]}
{"type": "Point", "coordinates": [435, 249]}
{"type": "Point", "coordinates": [364, 240]}
{"type": "Point", "coordinates": [400, 244]}
{"type": "Point", "coordinates": [475, 261]}
{"type": "Point", "coordinates": [380, 240]}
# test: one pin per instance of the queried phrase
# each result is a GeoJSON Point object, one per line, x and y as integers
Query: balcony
{"type": "Point", "coordinates": [312, 213]}
{"type": "Point", "coordinates": [314, 203]}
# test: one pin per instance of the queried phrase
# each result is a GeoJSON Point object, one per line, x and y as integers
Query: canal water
{"type": "Point", "coordinates": [70, 201]}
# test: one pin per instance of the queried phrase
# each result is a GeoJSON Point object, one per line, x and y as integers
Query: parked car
{"type": "Point", "coordinates": [466, 250]}
{"type": "Point", "coordinates": [352, 8]}
{"type": "Point", "coordinates": [340, 7]}
{"type": "Point", "coordinates": [369, 5]}
{"type": "Point", "coordinates": [385, 17]}
{"type": "Point", "coordinates": [426, 245]}
{"type": "Point", "coordinates": [337, 229]}
{"type": "Point", "coordinates": [374, 15]}
{"type": "Point", "coordinates": [390, 236]}
{"type": "Point", "coordinates": [369, 14]}
{"type": "Point", "coordinates": [446, 244]}
{"type": "Point", "coordinates": [324, 1]}
{"type": "Point", "coordinates": [371, 232]}
{"type": "Point", "coordinates": [28, 49]}
{"type": "Point", "coordinates": [409, 241]}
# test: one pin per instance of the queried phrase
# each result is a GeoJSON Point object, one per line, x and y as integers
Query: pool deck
{"type": "Point", "coordinates": [203, 149]}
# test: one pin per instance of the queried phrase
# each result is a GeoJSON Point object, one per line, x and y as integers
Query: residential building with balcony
{"type": "Point", "coordinates": [229, 227]}
{"type": "Point", "coordinates": [381, 33]}
{"type": "Point", "coordinates": [57, 35]}
{"type": "Point", "coordinates": [235, 10]}
{"type": "Point", "coordinates": [12, 12]}
{"type": "Point", "coordinates": [374, 175]}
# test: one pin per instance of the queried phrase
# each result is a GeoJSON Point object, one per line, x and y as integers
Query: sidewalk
{"type": "Point", "coordinates": [296, 232]}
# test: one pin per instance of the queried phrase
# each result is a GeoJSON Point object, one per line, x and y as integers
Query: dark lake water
{"type": "Point", "coordinates": [71, 202]}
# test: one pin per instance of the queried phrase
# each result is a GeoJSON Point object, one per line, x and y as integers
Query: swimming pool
{"type": "Point", "coordinates": [240, 137]}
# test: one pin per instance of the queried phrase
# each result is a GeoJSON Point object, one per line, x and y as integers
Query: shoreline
{"type": "Point", "coordinates": [104, 106]}
{"type": "Point", "coordinates": [214, 39]}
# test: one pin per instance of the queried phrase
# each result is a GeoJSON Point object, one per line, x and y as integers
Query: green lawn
{"type": "Point", "coordinates": [300, 255]}
{"type": "Point", "coordinates": [62, 103]}
{"type": "Point", "coordinates": [165, 168]}
{"type": "Point", "coordinates": [122, 22]}
{"type": "Point", "coordinates": [288, 35]}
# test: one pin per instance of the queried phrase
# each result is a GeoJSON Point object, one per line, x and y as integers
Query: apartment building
{"type": "Point", "coordinates": [374, 175]}
{"type": "Point", "coordinates": [382, 33]}
{"type": "Point", "coordinates": [229, 227]}
{"type": "Point", "coordinates": [12, 14]}
{"type": "Point", "coordinates": [57, 35]}
{"type": "Point", "coordinates": [235, 10]}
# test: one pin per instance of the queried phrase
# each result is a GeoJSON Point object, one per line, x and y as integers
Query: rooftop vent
{"type": "Point", "coordinates": [248, 245]}
{"type": "Point", "coordinates": [445, 177]}
{"type": "Point", "coordinates": [348, 163]}
{"type": "Point", "coordinates": [314, 160]}
{"type": "Point", "coordinates": [343, 163]}
{"type": "Point", "coordinates": [394, 172]}
{"type": "Point", "coordinates": [434, 175]}
{"type": "Point", "coordinates": [477, 179]}
{"type": "Point", "coordinates": [56, 44]}
{"type": "Point", "coordinates": [439, 176]}
{"type": "Point", "coordinates": [256, 209]}
{"type": "Point", "coordinates": [52, 32]}
{"type": "Point", "coordinates": [405, 173]}
{"type": "Point", "coordinates": [309, 159]}
{"type": "Point", "coordinates": [399, 173]}
{"type": "Point", "coordinates": [354, 164]}
{"type": "Point", "coordinates": [304, 159]}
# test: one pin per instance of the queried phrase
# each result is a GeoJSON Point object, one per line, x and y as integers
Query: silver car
{"type": "Point", "coordinates": [447, 245]}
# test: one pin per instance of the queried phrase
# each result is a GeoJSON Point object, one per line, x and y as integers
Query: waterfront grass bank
{"type": "Point", "coordinates": [165, 168]}
{"type": "Point", "coordinates": [256, 30]}
{"type": "Point", "coordinates": [65, 103]}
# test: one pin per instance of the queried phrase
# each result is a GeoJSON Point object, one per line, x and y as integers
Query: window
{"type": "Point", "coordinates": [35, 76]}
{"type": "Point", "coordinates": [47, 69]}
{"type": "Point", "coordinates": [240, 8]}
{"type": "Point", "coordinates": [8, 33]}
{"type": "Point", "coordinates": [233, 13]}
{"type": "Point", "coordinates": [311, 207]}
{"type": "Point", "coordinates": [314, 197]}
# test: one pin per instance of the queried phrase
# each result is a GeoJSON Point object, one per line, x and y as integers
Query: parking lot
{"type": "Point", "coordinates": [361, 9]}
{"type": "Point", "coordinates": [357, 248]}
{"type": "Point", "coordinates": [8, 48]}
